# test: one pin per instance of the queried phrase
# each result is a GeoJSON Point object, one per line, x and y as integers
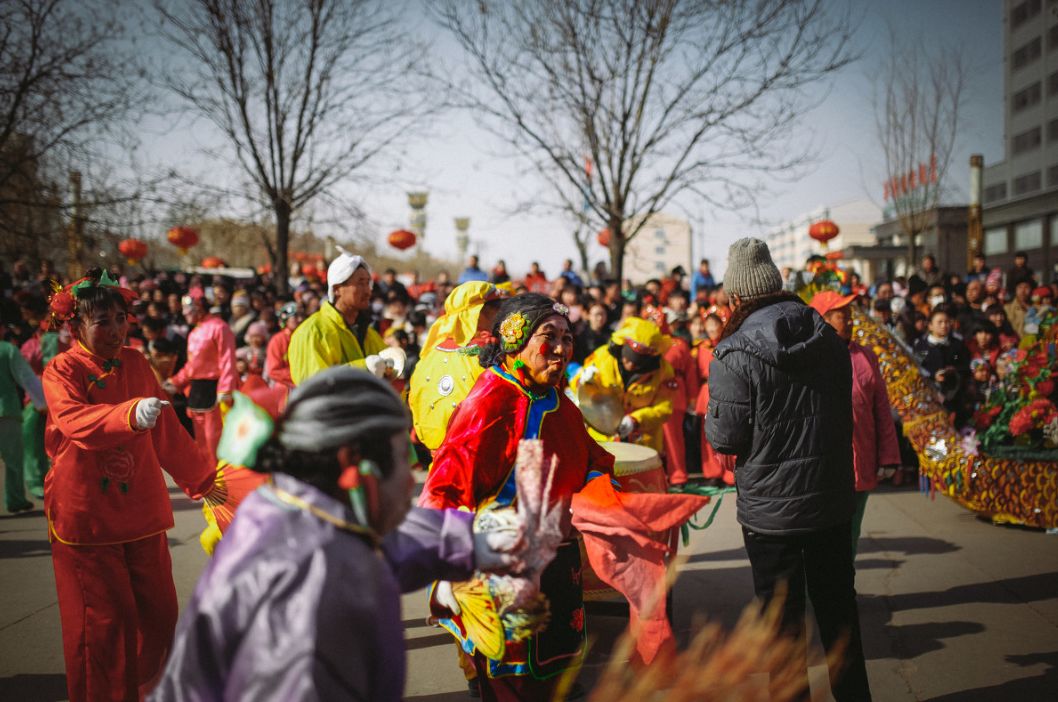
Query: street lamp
{"type": "Point", "coordinates": [417, 203]}
{"type": "Point", "coordinates": [462, 236]}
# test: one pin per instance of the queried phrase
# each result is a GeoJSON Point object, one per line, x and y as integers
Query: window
{"type": "Point", "coordinates": [1052, 83]}
{"type": "Point", "coordinates": [995, 241]}
{"type": "Point", "coordinates": [1028, 53]}
{"type": "Point", "coordinates": [1052, 176]}
{"type": "Point", "coordinates": [1028, 235]}
{"type": "Point", "coordinates": [1026, 141]}
{"type": "Point", "coordinates": [1026, 98]}
{"type": "Point", "coordinates": [994, 193]}
{"type": "Point", "coordinates": [1052, 38]}
{"type": "Point", "coordinates": [1023, 12]}
{"type": "Point", "coordinates": [659, 250]}
{"type": "Point", "coordinates": [659, 234]}
{"type": "Point", "coordinates": [1052, 131]}
{"type": "Point", "coordinates": [1027, 183]}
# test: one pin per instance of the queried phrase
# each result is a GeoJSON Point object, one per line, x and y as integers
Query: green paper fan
{"type": "Point", "coordinates": [246, 429]}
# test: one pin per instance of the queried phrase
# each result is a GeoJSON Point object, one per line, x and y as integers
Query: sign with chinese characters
{"type": "Point", "coordinates": [905, 184]}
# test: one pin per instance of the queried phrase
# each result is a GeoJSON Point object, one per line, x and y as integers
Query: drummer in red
{"type": "Point", "coordinates": [106, 500]}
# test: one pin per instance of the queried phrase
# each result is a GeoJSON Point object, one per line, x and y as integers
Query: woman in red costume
{"type": "Point", "coordinates": [106, 500]}
{"type": "Point", "coordinates": [717, 469]}
{"type": "Point", "coordinates": [516, 398]}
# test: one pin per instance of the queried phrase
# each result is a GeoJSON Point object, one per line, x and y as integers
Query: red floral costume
{"type": "Point", "coordinates": [108, 510]}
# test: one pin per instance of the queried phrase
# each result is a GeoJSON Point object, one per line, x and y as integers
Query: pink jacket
{"type": "Point", "coordinates": [210, 356]}
{"type": "Point", "coordinates": [873, 432]}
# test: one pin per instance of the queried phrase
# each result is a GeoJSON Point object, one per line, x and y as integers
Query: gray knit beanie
{"type": "Point", "coordinates": [750, 270]}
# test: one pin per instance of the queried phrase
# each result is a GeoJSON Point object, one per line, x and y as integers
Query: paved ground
{"type": "Point", "coordinates": [953, 608]}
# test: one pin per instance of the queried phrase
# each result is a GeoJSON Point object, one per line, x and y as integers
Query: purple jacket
{"type": "Point", "coordinates": [293, 607]}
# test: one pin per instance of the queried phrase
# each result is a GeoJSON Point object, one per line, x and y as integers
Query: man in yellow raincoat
{"type": "Point", "coordinates": [340, 332]}
{"type": "Point", "coordinates": [448, 362]}
{"type": "Point", "coordinates": [632, 366]}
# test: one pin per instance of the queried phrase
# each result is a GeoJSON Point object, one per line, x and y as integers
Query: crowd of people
{"type": "Point", "coordinates": [98, 375]}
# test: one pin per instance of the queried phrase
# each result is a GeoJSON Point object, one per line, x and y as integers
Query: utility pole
{"type": "Point", "coordinates": [973, 229]}
{"type": "Point", "coordinates": [75, 235]}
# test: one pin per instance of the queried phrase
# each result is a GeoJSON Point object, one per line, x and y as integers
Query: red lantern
{"type": "Point", "coordinates": [182, 238]}
{"type": "Point", "coordinates": [401, 239]}
{"type": "Point", "coordinates": [309, 271]}
{"type": "Point", "coordinates": [213, 262]}
{"type": "Point", "coordinates": [603, 237]}
{"type": "Point", "coordinates": [823, 231]}
{"type": "Point", "coordinates": [133, 250]}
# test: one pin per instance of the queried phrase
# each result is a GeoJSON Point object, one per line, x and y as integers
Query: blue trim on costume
{"type": "Point", "coordinates": [539, 408]}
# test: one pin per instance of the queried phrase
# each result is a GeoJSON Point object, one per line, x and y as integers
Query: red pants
{"type": "Point", "coordinates": [675, 449]}
{"type": "Point", "coordinates": [118, 610]}
{"type": "Point", "coordinates": [717, 465]}
{"type": "Point", "coordinates": [208, 426]}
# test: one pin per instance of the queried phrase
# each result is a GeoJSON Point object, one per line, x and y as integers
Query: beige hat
{"type": "Point", "coordinates": [750, 270]}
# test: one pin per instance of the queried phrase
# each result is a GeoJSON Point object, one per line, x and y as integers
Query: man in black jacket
{"type": "Point", "coordinates": [780, 399]}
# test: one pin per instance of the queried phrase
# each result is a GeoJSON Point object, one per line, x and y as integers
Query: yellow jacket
{"type": "Point", "coordinates": [648, 399]}
{"type": "Point", "coordinates": [324, 340]}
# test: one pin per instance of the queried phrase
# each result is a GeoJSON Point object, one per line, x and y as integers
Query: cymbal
{"type": "Point", "coordinates": [602, 407]}
{"type": "Point", "coordinates": [399, 358]}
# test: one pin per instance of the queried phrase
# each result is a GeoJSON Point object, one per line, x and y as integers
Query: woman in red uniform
{"type": "Point", "coordinates": [106, 500]}
{"type": "Point", "coordinates": [516, 398]}
{"type": "Point", "coordinates": [717, 469]}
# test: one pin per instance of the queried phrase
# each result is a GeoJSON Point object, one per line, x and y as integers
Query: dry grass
{"type": "Point", "coordinates": [716, 665]}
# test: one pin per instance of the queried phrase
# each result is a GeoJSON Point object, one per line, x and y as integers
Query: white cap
{"type": "Point", "coordinates": [342, 269]}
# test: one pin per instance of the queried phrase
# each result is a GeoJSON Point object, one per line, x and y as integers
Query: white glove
{"type": "Point", "coordinates": [147, 412]}
{"type": "Point", "coordinates": [376, 365]}
{"type": "Point", "coordinates": [626, 427]}
{"type": "Point", "coordinates": [445, 597]}
{"type": "Point", "coordinates": [499, 551]}
{"type": "Point", "coordinates": [588, 374]}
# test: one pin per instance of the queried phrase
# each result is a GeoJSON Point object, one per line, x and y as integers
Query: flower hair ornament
{"type": "Point", "coordinates": [513, 331]}
{"type": "Point", "coordinates": [63, 301]}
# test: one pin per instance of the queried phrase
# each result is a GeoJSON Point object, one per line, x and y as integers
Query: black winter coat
{"type": "Point", "coordinates": [780, 399]}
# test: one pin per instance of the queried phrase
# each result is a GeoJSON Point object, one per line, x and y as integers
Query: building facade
{"type": "Point", "coordinates": [663, 243]}
{"type": "Point", "coordinates": [1020, 201]}
{"type": "Point", "coordinates": [791, 246]}
{"type": "Point", "coordinates": [943, 236]}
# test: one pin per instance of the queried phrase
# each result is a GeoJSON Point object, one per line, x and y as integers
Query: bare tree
{"type": "Point", "coordinates": [918, 99]}
{"type": "Point", "coordinates": [305, 92]}
{"type": "Point", "coordinates": [68, 83]}
{"type": "Point", "coordinates": [662, 98]}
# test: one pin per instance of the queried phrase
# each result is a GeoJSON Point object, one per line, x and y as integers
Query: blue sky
{"type": "Point", "coordinates": [460, 166]}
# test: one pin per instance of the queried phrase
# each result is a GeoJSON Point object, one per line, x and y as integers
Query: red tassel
{"type": "Point", "coordinates": [350, 478]}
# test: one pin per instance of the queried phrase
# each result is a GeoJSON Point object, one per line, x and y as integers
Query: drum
{"type": "Point", "coordinates": [637, 469]}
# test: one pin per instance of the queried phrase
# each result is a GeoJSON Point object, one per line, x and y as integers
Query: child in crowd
{"type": "Point", "coordinates": [1006, 337]}
{"type": "Point", "coordinates": [984, 343]}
